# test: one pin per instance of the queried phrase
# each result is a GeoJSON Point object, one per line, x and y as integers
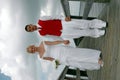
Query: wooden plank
{"type": "Point", "coordinates": [99, 1]}
{"type": "Point", "coordinates": [78, 74]}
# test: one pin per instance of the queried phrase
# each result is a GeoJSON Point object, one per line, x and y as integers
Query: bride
{"type": "Point", "coordinates": [82, 58]}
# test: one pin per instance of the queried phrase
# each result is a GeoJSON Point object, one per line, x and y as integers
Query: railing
{"type": "Point", "coordinates": [62, 76]}
{"type": "Point", "coordinates": [74, 74]}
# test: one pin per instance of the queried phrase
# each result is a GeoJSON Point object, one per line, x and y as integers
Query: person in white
{"type": "Point", "coordinates": [82, 58]}
{"type": "Point", "coordinates": [76, 28]}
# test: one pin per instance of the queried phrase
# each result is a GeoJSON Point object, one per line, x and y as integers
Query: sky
{"type": "Point", "coordinates": [14, 60]}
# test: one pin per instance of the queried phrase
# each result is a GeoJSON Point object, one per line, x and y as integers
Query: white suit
{"type": "Point", "coordinates": [79, 27]}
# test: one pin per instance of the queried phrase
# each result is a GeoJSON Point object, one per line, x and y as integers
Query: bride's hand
{"type": "Point", "coordinates": [66, 42]}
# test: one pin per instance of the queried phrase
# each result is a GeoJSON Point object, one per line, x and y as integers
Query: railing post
{"type": "Point", "coordinates": [78, 74]}
{"type": "Point", "coordinates": [87, 8]}
{"type": "Point", "coordinates": [63, 73]}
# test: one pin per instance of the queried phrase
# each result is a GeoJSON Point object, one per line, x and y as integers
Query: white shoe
{"type": "Point", "coordinates": [98, 33]}
{"type": "Point", "coordinates": [101, 32]}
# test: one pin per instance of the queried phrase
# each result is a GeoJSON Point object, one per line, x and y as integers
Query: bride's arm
{"type": "Point", "coordinates": [57, 42]}
{"type": "Point", "coordinates": [48, 58]}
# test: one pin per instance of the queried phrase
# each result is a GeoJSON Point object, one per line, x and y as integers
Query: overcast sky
{"type": "Point", "coordinates": [14, 60]}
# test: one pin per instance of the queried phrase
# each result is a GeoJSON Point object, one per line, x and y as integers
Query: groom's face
{"type": "Point", "coordinates": [31, 28]}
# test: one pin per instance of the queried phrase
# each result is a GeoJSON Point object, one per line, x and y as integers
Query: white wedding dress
{"type": "Point", "coordinates": [82, 58]}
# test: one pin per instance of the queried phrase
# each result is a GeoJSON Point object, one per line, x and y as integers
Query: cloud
{"type": "Point", "coordinates": [13, 60]}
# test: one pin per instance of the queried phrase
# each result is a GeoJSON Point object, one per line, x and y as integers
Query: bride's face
{"type": "Point", "coordinates": [31, 49]}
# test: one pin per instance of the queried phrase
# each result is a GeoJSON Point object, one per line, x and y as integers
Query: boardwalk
{"type": "Point", "coordinates": [108, 44]}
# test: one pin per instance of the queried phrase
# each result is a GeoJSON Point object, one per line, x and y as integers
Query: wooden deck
{"type": "Point", "coordinates": [108, 44]}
